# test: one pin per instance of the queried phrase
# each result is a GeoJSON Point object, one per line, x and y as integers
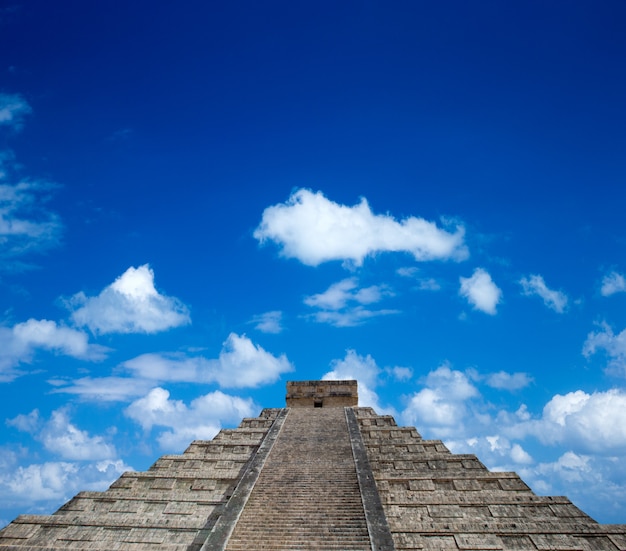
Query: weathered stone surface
{"type": "Point", "coordinates": [335, 477]}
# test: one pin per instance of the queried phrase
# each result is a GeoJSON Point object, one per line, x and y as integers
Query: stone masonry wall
{"type": "Point", "coordinates": [434, 499]}
{"type": "Point", "coordinates": [170, 507]}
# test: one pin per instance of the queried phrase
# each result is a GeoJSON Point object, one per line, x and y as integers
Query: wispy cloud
{"type": "Point", "coordinates": [613, 345]}
{"type": "Point", "coordinates": [103, 389]}
{"type": "Point", "coordinates": [343, 303]}
{"type": "Point", "coordinates": [131, 304]}
{"type": "Point", "coordinates": [508, 381]}
{"type": "Point", "coordinates": [313, 229]}
{"type": "Point", "coordinates": [269, 322]}
{"type": "Point", "coordinates": [480, 291]}
{"type": "Point", "coordinates": [535, 285]}
{"type": "Point", "coordinates": [26, 225]}
{"type": "Point", "coordinates": [423, 283]}
{"type": "Point", "coordinates": [13, 109]}
{"type": "Point", "coordinates": [613, 283]}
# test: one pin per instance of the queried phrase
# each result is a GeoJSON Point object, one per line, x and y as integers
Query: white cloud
{"type": "Point", "coordinates": [588, 422]}
{"type": "Point", "coordinates": [131, 304]}
{"type": "Point", "coordinates": [423, 283]}
{"type": "Point", "coordinates": [269, 322]}
{"type": "Point", "coordinates": [480, 291]}
{"type": "Point", "coordinates": [29, 422]}
{"type": "Point", "coordinates": [400, 373]}
{"type": "Point", "coordinates": [314, 230]}
{"type": "Point", "coordinates": [613, 345]}
{"type": "Point", "coordinates": [103, 389]}
{"type": "Point", "coordinates": [48, 485]}
{"type": "Point", "coordinates": [13, 108]}
{"type": "Point", "coordinates": [62, 437]}
{"type": "Point", "coordinates": [535, 285]}
{"type": "Point", "coordinates": [362, 369]}
{"type": "Point", "coordinates": [442, 403]}
{"type": "Point", "coordinates": [519, 455]}
{"type": "Point", "coordinates": [342, 304]}
{"type": "Point", "coordinates": [613, 283]}
{"type": "Point", "coordinates": [202, 419]}
{"type": "Point", "coordinates": [19, 343]}
{"type": "Point", "coordinates": [508, 381]}
{"type": "Point", "coordinates": [241, 363]}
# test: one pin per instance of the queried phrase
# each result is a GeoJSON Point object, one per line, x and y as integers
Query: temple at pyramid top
{"type": "Point", "coordinates": [322, 394]}
{"type": "Point", "coordinates": [319, 474]}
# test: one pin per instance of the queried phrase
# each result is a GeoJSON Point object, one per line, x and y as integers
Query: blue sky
{"type": "Point", "coordinates": [201, 202]}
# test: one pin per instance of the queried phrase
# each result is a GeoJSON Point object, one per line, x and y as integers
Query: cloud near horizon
{"type": "Point", "coordinates": [131, 304]}
{"type": "Point", "coordinates": [313, 229]}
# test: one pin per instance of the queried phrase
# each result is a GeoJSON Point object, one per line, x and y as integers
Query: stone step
{"type": "Point", "coordinates": [307, 495]}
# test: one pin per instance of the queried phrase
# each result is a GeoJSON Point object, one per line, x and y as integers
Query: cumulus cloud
{"type": "Point", "coordinates": [13, 109]}
{"type": "Point", "coordinates": [613, 283]}
{"type": "Point", "coordinates": [62, 437]}
{"type": "Point", "coordinates": [535, 285]}
{"type": "Point", "coordinates": [241, 363]}
{"type": "Point", "coordinates": [313, 229]}
{"type": "Point", "coordinates": [480, 291]}
{"type": "Point", "coordinates": [48, 485]}
{"type": "Point", "coordinates": [201, 419]}
{"type": "Point", "coordinates": [269, 322]}
{"type": "Point", "coordinates": [362, 369]}
{"type": "Point", "coordinates": [613, 345]}
{"type": "Point", "coordinates": [19, 343]}
{"type": "Point", "coordinates": [442, 403]}
{"type": "Point", "coordinates": [131, 304]}
{"type": "Point", "coordinates": [586, 423]}
{"type": "Point", "coordinates": [343, 303]}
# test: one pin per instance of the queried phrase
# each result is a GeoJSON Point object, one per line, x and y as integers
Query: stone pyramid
{"type": "Point", "coordinates": [320, 474]}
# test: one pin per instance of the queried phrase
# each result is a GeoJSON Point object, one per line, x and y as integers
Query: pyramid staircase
{"type": "Point", "coordinates": [306, 477]}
